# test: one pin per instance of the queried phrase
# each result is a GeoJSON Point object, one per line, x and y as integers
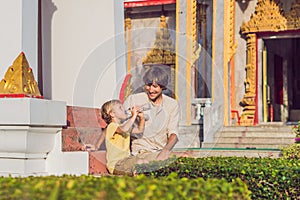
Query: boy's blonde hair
{"type": "Point", "coordinates": [106, 109]}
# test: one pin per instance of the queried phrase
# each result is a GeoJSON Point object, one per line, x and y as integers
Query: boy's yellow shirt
{"type": "Point", "coordinates": [117, 146]}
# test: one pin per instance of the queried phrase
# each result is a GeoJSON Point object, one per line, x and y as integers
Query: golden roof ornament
{"type": "Point", "coordinates": [163, 51]}
{"type": "Point", "coordinates": [268, 16]}
{"type": "Point", "coordinates": [19, 81]}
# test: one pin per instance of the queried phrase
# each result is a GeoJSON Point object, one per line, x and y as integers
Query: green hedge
{"type": "Point", "coordinates": [266, 178]}
{"type": "Point", "coordinates": [291, 151]}
{"type": "Point", "coordinates": [114, 187]}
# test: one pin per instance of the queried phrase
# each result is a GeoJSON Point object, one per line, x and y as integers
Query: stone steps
{"type": "Point", "coordinates": [274, 135]}
{"type": "Point", "coordinates": [270, 127]}
{"type": "Point", "coordinates": [263, 140]}
{"type": "Point", "coordinates": [255, 133]}
{"type": "Point", "coordinates": [255, 140]}
{"type": "Point", "coordinates": [84, 126]}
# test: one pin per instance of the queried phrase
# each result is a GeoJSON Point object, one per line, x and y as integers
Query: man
{"type": "Point", "coordinates": [161, 113]}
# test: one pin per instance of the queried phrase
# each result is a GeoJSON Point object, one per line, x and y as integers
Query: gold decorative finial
{"type": "Point", "coordinates": [163, 51]}
{"type": "Point", "coordinates": [19, 79]}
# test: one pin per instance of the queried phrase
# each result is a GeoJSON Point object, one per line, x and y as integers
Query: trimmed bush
{"type": "Point", "coordinates": [266, 178]}
{"type": "Point", "coordinates": [291, 151]}
{"type": "Point", "coordinates": [114, 187]}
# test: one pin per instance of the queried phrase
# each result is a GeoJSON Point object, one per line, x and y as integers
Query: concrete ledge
{"type": "Point", "coordinates": [32, 111]}
{"type": "Point", "coordinates": [22, 167]}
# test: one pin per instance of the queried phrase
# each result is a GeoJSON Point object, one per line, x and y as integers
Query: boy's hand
{"type": "Point", "coordinates": [89, 147]}
{"type": "Point", "coordinates": [141, 115]}
{"type": "Point", "coordinates": [134, 111]}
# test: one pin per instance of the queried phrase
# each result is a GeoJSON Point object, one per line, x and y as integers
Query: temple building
{"type": "Point", "coordinates": [228, 68]}
{"type": "Point", "coordinates": [233, 68]}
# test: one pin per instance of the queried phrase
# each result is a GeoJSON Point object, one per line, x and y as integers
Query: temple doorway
{"type": "Point", "coordinates": [280, 77]}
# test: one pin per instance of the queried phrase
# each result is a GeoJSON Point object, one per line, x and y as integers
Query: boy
{"type": "Point", "coordinates": [117, 139]}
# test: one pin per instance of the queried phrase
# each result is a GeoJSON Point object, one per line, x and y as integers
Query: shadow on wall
{"type": "Point", "coordinates": [46, 11]}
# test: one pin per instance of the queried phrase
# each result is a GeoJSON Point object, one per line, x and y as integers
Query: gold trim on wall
{"type": "Point", "coordinates": [189, 50]}
{"type": "Point", "coordinates": [268, 17]}
{"type": "Point", "coordinates": [229, 50]}
{"type": "Point", "coordinates": [247, 117]}
{"type": "Point", "coordinates": [226, 58]}
{"type": "Point", "coordinates": [232, 42]}
{"type": "Point", "coordinates": [232, 51]}
{"type": "Point", "coordinates": [195, 46]}
{"type": "Point", "coordinates": [128, 39]}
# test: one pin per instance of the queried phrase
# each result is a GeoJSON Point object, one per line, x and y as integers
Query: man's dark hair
{"type": "Point", "coordinates": [157, 74]}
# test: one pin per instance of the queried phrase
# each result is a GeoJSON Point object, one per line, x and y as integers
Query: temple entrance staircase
{"type": "Point", "coordinates": [263, 140]}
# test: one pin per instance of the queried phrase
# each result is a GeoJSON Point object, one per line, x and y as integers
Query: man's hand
{"type": "Point", "coordinates": [166, 151]}
{"type": "Point", "coordinates": [163, 155]}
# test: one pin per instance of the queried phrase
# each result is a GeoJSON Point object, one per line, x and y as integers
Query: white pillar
{"type": "Point", "coordinates": [30, 33]}
{"type": "Point", "coordinates": [19, 25]}
{"type": "Point", "coordinates": [182, 59]}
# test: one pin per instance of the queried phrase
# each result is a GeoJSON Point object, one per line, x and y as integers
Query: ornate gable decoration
{"type": "Point", "coordinates": [163, 51]}
{"type": "Point", "coordinates": [268, 16]}
{"type": "Point", "coordinates": [19, 80]}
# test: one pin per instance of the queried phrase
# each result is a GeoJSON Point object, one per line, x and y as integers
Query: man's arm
{"type": "Point", "coordinates": [165, 152]}
{"type": "Point", "coordinates": [173, 126]}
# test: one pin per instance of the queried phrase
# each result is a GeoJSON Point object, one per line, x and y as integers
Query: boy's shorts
{"type": "Point", "coordinates": [126, 166]}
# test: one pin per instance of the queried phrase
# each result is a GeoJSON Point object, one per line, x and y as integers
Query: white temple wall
{"type": "Point", "coordinates": [15, 37]}
{"type": "Point", "coordinates": [80, 51]}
